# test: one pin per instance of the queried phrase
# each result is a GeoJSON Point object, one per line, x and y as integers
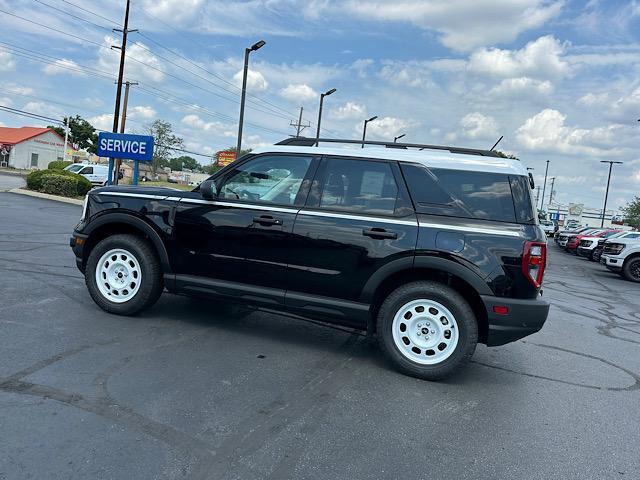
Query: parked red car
{"type": "Point", "coordinates": [574, 240]}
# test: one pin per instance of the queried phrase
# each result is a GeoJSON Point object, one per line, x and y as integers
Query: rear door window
{"type": "Point", "coordinates": [458, 193]}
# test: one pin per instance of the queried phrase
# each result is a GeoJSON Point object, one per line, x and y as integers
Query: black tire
{"type": "Point", "coordinates": [451, 300]}
{"type": "Point", "coordinates": [595, 256]}
{"type": "Point", "coordinates": [151, 285]}
{"type": "Point", "coordinates": [631, 269]}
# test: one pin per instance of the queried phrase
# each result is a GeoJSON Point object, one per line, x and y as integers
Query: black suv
{"type": "Point", "coordinates": [431, 251]}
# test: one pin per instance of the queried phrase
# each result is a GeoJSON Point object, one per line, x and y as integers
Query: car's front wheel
{"type": "Point", "coordinates": [123, 274]}
{"type": "Point", "coordinates": [427, 330]}
{"type": "Point", "coordinates": [631, 269]}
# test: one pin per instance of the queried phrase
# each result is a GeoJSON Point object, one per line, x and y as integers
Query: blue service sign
{"type": "Point", "coordinates": [121, 145]}
{"type": "Point", "coordinates": [555, 216]}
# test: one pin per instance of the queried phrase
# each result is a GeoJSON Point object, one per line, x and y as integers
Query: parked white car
{"type": "Point", "coordinates": [96, 174]}
{"type": "Point", "coordinates": [622, 255]}
{"type": "Point", "coordinates": [548, 227]}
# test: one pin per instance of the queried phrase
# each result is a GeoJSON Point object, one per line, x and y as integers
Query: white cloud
{"type": "Point", "coordinates": [546, 132]}
{"type": "Point", "coordinates": [45, 109]}
{"type": "Point", "coordinates": [349, 110]}
{"type": "Point", "coordinates": [522, 86]}
{"type": "Point", "coordinates": [64, 66]}
{"type": "Point", "coordinates": [478, 126]}
{"type": "Point", "coordinates": [299, 93]}
{"type": "Point", "coordinates": [255, 80]}
{"type": "Point", "coordinates": [19, 90]}
{"type": "Point", "coordinates": [541, 58]}
{"type": "Point", "coordinates": [385, 128]}
{"type": "Point", "coordinates": [6, 101]}
{"type": "Point", "coordinates": [7, 62]}
{"type": "Point", "coordinates": [194, 121]}
{"type": "Point", "coordinates": [412, 75]}
{"type": "Point", "coordinates": [141, 63]}
{"type": "Point", "coordinates": [463, 25]}
{"type": "Point", "coordinates": [102, 122]}
{"type": "Point", "coordinates": [142, 112]}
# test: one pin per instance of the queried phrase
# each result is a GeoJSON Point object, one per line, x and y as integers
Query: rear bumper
{"type": "Point", "coordinates": [524, 318]}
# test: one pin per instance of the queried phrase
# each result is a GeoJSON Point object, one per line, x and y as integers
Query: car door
{"type": "Point", "coordinates": [242, 238]}
{"type": "Point", "coordinates": [87, 172]}
{"type": "Point", "coordinates": [357, 218]}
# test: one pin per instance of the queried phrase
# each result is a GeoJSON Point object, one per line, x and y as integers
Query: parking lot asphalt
{"type": "Point", "coordinates": [192, 389]}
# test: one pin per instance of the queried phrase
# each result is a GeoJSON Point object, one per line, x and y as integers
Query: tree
{"type": "Point", "coordinates": [211, 169]}
{"type": "Point", "coordinates": [81, 133]}
{"type": "Point", "coordinates": [506, 155]}
{"type": "Point", "coordinates": [632, 213]}
{"type": "Point", "coordinates": [184, 162]}
{"type": "Point", "coordinates": [165, 142]}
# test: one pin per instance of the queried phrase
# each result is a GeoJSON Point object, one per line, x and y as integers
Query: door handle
{"type": "Point", "coordinates": [376, 232]}
{"type": "Point", "coordinates": [267, 220]}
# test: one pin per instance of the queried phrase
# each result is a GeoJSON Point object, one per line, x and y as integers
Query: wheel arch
{"type": "Point", "coordinates": [469, 284]}
{"type": "Point", "coordinates": [114, 223]}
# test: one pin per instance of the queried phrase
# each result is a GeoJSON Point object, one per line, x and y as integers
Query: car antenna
{"type": "Point", "coordinates": [496, 144]}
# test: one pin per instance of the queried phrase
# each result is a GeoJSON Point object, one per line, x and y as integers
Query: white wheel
{"type": "Point", "coordinates": [425, 332]}
{"type": "Point", "coordinates": [118, 275]}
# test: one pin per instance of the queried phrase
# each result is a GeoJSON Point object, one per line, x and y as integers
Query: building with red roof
{"type": "Point", "coordinates": [30, 147]}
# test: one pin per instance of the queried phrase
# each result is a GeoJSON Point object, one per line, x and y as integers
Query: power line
{"type": "Point", "coordinates": [72, 15]}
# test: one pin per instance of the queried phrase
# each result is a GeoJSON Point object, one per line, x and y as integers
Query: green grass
{"type": "Point", "coordinates": [165, 184]}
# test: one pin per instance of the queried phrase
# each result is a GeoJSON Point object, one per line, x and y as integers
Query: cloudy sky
{"type": "Point", "coordinates": [560, 79]}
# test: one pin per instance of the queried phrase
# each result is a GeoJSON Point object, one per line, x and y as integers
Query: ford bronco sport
{"type": "Point", "coordinates": [430, 250]}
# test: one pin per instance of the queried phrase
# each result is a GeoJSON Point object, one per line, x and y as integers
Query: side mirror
{"type": "Point", "coordinates": [209, 190]}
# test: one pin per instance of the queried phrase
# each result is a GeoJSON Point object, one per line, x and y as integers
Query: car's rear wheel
{"type": "Point", "coordinates": [595, 256]}
{"type": "Point", "coordinates": [631, 269]}
{"type": "Point", "coordinates": [123, 274]}
{"type": "Point", "coordinates": [427, 330]}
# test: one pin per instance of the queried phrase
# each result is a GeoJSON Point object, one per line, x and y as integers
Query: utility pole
{"type": "Point", "coordinates": [544, 188]}
{"type": "Point", "coordinates": [123, 48]}
{"type": "Point", "coordinates": [606, 195]}
{"type": "Point", "coordinates": [537, 194]}
{"type": "Point", "coordinates": [125, 104]}
{"type": "Point", "coordinates": [553, 180]}
{"type": "Point", "coordinates": [299, 126]}
{"type": "Point", "coordinates": [66, 138]}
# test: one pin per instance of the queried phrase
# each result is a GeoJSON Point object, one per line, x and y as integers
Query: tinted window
{"type": "Point", "coordinates": [87, 171]}
{"type": "Point", "coordinates": [465, 194]}
{"type": "Point", "coordinates": [522, 202]}
{"type": "Point", "coordinates": [272, 179]}
{"type": "Point", "coordinates": [359, 186]}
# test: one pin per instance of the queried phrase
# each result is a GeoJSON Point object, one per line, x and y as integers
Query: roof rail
{"type": "Point", "coordinates": [310, 142]}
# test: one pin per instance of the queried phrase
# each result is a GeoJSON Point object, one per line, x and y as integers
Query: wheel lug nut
{"type": "Point", "coordinates": [432, 332]}
{"type": "Point", "coordinates": [419, 324]}
{"type": "Point", "coordinates": [428, 324]}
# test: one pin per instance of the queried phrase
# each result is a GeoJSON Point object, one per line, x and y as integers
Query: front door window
{"type": "Point", "coordinates": [270, 179]}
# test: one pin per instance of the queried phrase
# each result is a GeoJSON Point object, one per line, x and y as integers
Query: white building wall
{"type": "Point", "coordinates": [47, 146]}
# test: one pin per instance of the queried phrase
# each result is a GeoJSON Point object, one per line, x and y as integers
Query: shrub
{"type": "Point", "coordinates": [35, 181]}
{"type": "Point", "coordinates": [58, 165]}
{"type": "Point", "coordinates": [59, 185]}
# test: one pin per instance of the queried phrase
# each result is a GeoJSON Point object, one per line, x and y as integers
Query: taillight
{"type": "Point", "coordinates": [534, 261]}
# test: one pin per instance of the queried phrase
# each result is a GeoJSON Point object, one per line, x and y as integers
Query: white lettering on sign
{"type": "Point", "coordinates": [123, 146]}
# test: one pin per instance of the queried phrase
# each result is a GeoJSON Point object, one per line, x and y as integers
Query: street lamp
{"type": "Point", "coordinates": [364, 130]}
{"type": "Point", "coordinates": [247, 51]}
{"type": "Point", "coordinates": [544, 188]}
{"type": "Point", "coordinates": [395, 139]}
{"type": "Point", "coordinates": [322, 95]}
{"type": "Point", "coordinates": [606, 195]}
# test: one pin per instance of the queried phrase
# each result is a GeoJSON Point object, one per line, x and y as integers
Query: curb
{"type": "Point", "coordinates": [46, 196]}
{"type": "Point", "coordinates": [14, 174]}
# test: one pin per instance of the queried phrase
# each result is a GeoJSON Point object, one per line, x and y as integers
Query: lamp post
{"type": "Point", "coordinates": [395, 139]}
{"type": "Point", "coordinates": [544, 188]}
{"type": "Point", "coordinates": [364, 130]}
{"type": "Point", "coordinates": [247, 51]}
{"type": "Point", "coordinates": [606, 195]}
{"type": "Point", "coordinates": [322, 95]}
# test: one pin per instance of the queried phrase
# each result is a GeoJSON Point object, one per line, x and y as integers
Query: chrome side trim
{"type": "Point", "coordinates": [139, 195]}
{"type": "Point", "coordinates": [460, 228]}
{"type": "Point", "coordinates": [394, 221]}
{"type": "Point", "coordinates": [248, 206]}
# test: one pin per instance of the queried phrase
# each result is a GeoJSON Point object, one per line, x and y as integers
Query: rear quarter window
{"type": "Point", "coordinates": [481, 195]}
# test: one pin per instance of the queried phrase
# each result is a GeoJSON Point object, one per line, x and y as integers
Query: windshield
{"type": "Point", "coordinates": [74, 168]}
